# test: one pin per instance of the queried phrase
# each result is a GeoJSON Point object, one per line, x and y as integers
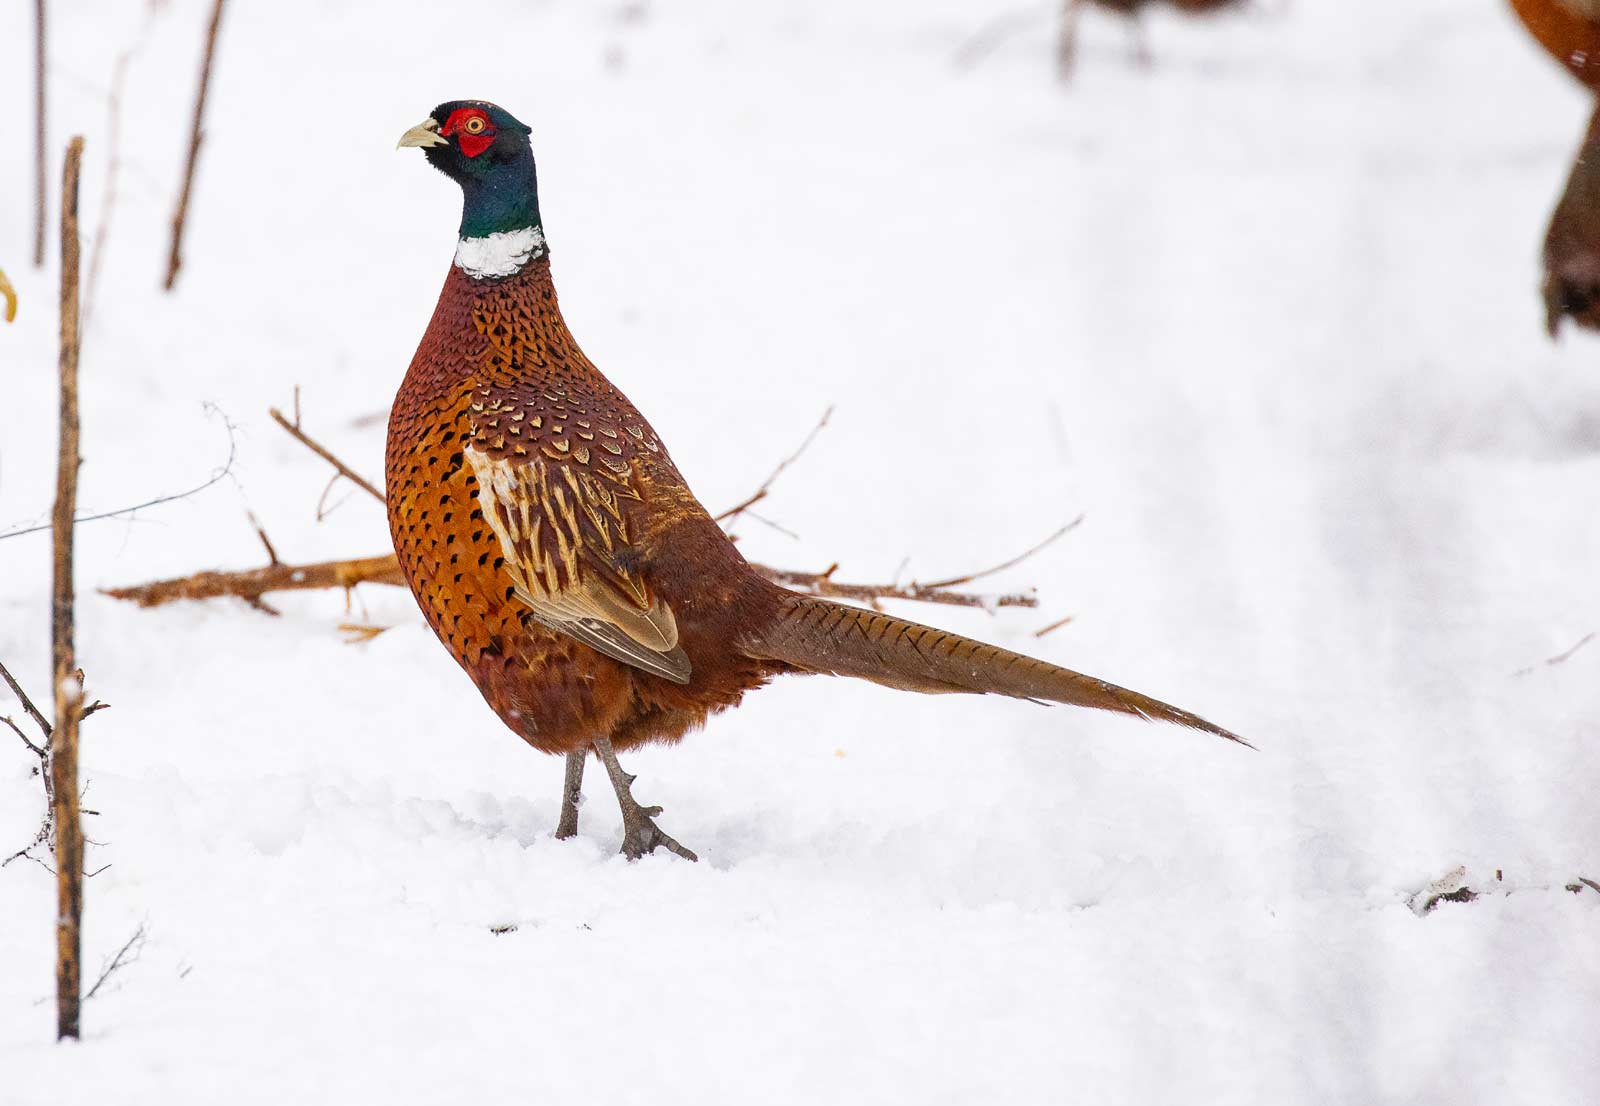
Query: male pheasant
{"type": "Point", "coordinates": [1569, 30]}
{"type": "Point", "coordinates": [558, 553]}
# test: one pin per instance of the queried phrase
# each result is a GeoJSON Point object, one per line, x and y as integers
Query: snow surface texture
{"type": "Point", "coordinates": [1266, 313]}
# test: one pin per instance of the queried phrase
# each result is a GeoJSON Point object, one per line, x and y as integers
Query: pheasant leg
{"type": "Point", "coordinates": [640, 834]}
{"type": "Point", "coordinates": [571, 796]}
{"type": "Point", "coordinates": [1067, 38]}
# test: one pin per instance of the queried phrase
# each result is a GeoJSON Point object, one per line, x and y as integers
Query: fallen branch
{"type": "Point", "coordinates": [252, 585]}
{"type": "Point", "coordinates": [181, 216]}
{"type": "Point", "coordinates": [823, 584]}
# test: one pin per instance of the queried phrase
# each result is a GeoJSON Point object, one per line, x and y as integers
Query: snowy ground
{"type": "Point", "coordinates": [1267, 314]}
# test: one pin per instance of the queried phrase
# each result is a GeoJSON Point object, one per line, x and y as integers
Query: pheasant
{"type": "Point", "coordinates": [559, 555]}
{"type": "Point", "coordinates": [1572, 244]}
{"type": "Point", "coordinates": [1067, 39]}
{"type": "Point", "coordinates": [1570, 31]}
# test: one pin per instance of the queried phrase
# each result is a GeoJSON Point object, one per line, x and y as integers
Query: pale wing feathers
{"type": "Point", "coordinates": [560, 532]}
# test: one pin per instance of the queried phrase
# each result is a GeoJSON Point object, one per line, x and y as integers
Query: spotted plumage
{"type": "Point", "coordinates": [560, 555]}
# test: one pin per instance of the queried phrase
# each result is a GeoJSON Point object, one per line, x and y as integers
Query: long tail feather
{"type": "Point", "coordinates": [817, 635]}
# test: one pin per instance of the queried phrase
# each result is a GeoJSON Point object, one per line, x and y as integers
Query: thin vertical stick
{"type": "Point", "coordinates": [38, 134]}
{"type": "Point", "coordinates": [179, 217]}
{"type": "Point", "coordinates": [68, 682]}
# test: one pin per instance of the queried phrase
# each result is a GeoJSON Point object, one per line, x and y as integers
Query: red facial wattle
{"type": "Point", "coordinates": [474, 133]}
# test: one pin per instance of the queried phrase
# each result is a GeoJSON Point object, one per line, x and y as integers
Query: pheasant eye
{"type": "Point", "coordinates": [474, 125]}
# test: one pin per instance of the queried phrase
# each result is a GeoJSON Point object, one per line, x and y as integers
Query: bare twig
{"type": "Point", "coordinates": [39, 183]}
{"type": "Point", "coordinates": [760, 493]}
{"type": "Point", "coordinates": [16, 729]}
{"type": "Point", "coordinates": [304, 439]}
{"type": "Point", "coordinates": [108, 200]}
{"type": "Point", "coordinates": [957, 581]}
{"type": "Point", "coordinates": [68, 680]}
{"type": "Point", "coordinates": [217, 475]}
{"type": "Point", "coordinates": [1053, 627]}
{"type": "Point", "coordinates": [823, 583]}
{"type": "Point", "coordinates": [127, 954]}
{"type": "Point", "coordinates": [1562, 657]}
{"type": "Point", "coordinates": [41, 837]}
{"type": "Point", "coordinates": [27, 703]}
{"type": "Point", "coordinates": [272, 554]}
{"type": "Point", "coordinates": [180, 217]}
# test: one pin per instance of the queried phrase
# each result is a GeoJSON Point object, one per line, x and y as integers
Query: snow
{"type": "Point", "coordinates": [1265, 313]}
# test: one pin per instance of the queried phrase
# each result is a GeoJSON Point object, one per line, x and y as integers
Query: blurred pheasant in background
{"type": "Point", "coordinates": [560, 556]}
{"type": "Point", "coordinates": [1072, 10]}
{"type": "Point", "coordinates": [1570, 31]}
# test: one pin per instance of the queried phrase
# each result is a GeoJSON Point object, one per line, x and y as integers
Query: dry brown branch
{"type": "Point", "coordinates": [39, 181]}
{"type": "Point", "coordinates": [11, 723]}
{"type": "Point", "coordinates": [272, 554]}
{"type": "Point", "coordinates": [181, 216]}
{"type": "Point", "coordinates": [823, 584]}
{"type": "Point", "coordinates": [252, 584]}
{"type": "Point", "coordinates": [68, 679]}
{"type": "Point", "coordinates": [27, 703]}
{"type": "Point", "coordinates": [127, 954]}
{"type": "Point", "coordinates": [304, 439]}
{"type": "Point", "coordinates": [760, 493]}
{"type": "Point", "coordinates": [1053, 627]}
{"type": "Point", "coordinates": [257, 582]}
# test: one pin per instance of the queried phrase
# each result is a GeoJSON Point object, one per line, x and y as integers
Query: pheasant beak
{"type": "Point", "coordinates": [424, 134]}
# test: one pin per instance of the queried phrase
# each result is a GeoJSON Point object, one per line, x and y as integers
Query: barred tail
{"type": "Point", "coordinates": [817, 635]}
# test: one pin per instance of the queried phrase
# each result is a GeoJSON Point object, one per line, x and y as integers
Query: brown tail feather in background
{"type": "Point", "coordinates": [825, 637]}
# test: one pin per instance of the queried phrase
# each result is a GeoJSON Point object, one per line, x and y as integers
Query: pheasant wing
{"type": "Point", "coordinates": [569, 540]}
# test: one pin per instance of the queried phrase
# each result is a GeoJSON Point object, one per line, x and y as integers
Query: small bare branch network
{"type": "Point", "coordinates": [252, 585]}
{"type": "Point", "coordinates": [218, 474]}
{"type": "Point", "coordinates": [127, 954]}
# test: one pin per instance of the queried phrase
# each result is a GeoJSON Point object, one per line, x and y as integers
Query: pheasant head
{"type": "Point", "coordinates": [485, 150]}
